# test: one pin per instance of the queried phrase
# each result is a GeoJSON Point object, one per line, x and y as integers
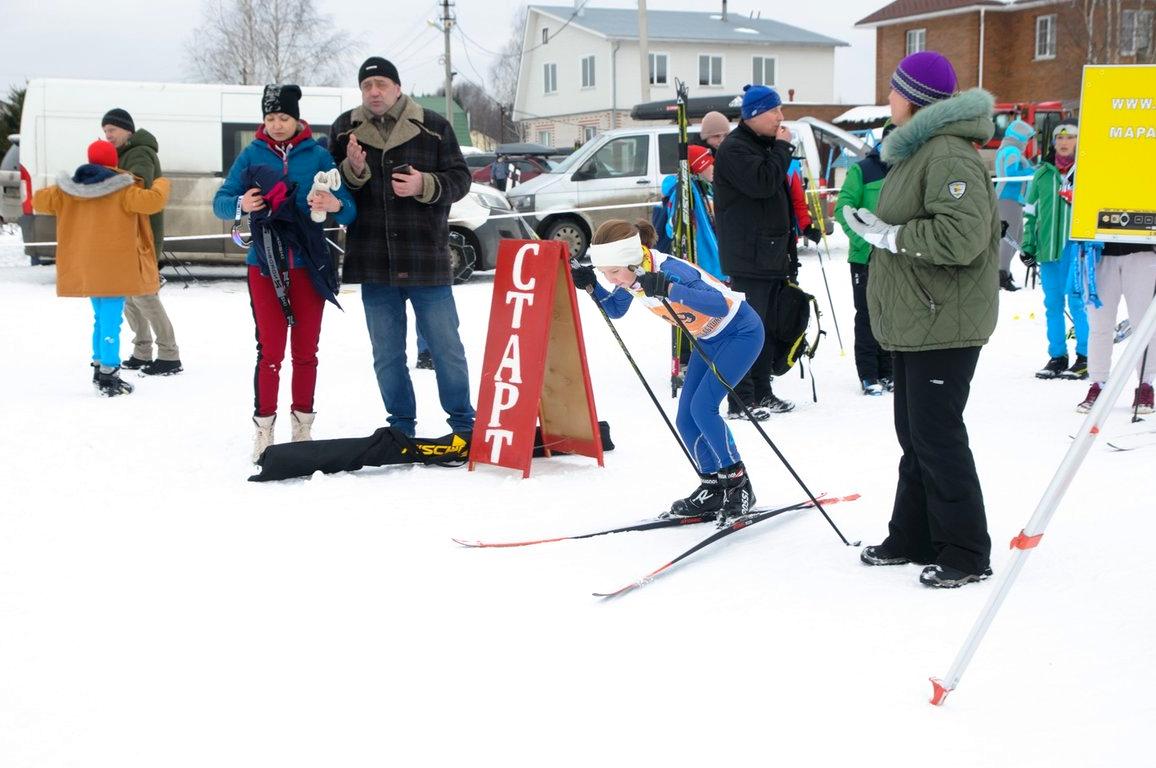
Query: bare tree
{"type": "Point", "coordinates": [504, 71]}
{"type": "Point", "coordinates": [251, 42]}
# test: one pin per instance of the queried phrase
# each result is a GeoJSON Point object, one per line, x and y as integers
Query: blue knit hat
{"type": "Point", "coordinates": [758, 99]}
{"type": "Point", "coordinates": [924, 78]}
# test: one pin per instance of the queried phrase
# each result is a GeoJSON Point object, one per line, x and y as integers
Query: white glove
{"type": "Point", "coordinates": [869, 227]}
{"type": "Point", "coordinates": [324, 181]}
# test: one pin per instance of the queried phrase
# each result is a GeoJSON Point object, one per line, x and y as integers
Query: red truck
{"type": "Point", "coordinates": [1041, 115]}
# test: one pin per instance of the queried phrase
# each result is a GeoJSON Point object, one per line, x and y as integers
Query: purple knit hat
{"type": "Point", "coordinates": [924, 78]}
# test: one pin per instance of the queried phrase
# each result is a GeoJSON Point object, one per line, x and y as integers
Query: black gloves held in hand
{"type": "Point", "coordinates": [813, 234]}
{"type": "Point", "coordinates": [584, 277]}
{"type": "Point", "coordinates": [654, 284]}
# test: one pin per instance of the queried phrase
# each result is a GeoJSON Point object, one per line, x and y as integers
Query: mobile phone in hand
{"type": "Point", "coordinates": [403, 168]}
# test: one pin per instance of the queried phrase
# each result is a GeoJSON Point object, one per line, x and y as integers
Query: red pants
{"type": "Point", "coordinates": [272, 331]}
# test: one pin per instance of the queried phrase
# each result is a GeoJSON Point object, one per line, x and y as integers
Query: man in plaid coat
{"type": "Point", "coordinates": [405, 169]}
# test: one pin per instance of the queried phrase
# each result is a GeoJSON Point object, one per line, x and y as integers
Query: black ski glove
{"type": "Point", "coordinates": [584, 277]}
{"type": "Point", "coordinates": [654, 284]}
{"type": "Point", "coordinates": [1028, 259]}
{"type": "Point", "coordinates": [813, 234]}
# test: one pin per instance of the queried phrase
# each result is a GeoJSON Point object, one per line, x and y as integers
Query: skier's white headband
{"type": "Point", "coordinates": [620, 253]}
{"type": "Point", "coordinates": [1066, 130]}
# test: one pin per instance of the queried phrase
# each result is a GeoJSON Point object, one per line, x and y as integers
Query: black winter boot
{"type": "Point", "coordinates": [134, 363]}
{"type": "Point", "coordinates": [1054, 368]}
{"type": "Point", "coordinates": [738, 495]}
{"type": "Point", "coordinates": [111, 384]}
{"type": "Point", "coordinates": [706, 500]}
{"type": "Point", "coordinates": [1006, 282]}
{"type": "Point", "coordinates": [1079, 369]}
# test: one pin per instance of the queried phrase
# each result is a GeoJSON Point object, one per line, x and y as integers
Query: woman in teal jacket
{"type": "Point", "coordinates": [284, 285]}
{"type": "Point", "coordinates": [933, 299]}
{"type": "Point", "coordinates": [1047, 221]}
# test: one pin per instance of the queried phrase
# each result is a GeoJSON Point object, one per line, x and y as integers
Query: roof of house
{"type": "Point", "coordinates": [903, 9]}
{"type": "Point", "coordinates": [622, 24]}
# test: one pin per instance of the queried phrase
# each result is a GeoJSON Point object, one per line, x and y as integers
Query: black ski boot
{"type": "Point", "coordinates": [738, 495]}
{"type": "Point", "coordinates": [775, 405]}
{"type": "Point", "coordinates": [706, 500]}
{"type": "Point", "coordinates": [1055, 367]}
{"type": "Point", "coordinates": [111, 384]}
{"type": "Point", "coordinates": [1079, 369]}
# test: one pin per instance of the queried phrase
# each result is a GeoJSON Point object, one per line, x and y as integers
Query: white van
{"type": "Point", "coordinates": [200, 130]}
{"type": "Point", "coordinates": [626, 166]}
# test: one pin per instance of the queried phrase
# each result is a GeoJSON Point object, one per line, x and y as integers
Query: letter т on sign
{"type": "Point", "coordinates": [535, 362]}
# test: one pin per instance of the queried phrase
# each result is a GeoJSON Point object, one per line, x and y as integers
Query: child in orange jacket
{"type": "Point", "coordinates": [105, 248]}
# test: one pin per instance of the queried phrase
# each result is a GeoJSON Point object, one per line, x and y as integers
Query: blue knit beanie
{"type": "Point", "coordinates": [758, 99]}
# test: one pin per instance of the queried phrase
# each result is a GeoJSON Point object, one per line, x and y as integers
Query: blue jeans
{"type": "Point", "coordinates": [1054, 278]}
{"type": "Point", "coordinates": [106, 316]}
{"type": "Point", "coordinates": [437, 322]}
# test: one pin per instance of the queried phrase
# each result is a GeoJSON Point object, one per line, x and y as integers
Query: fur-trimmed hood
{"type": "Point", "coordinates": [92, 181]}
{"type": "Point", "coordinates": [967, 116]}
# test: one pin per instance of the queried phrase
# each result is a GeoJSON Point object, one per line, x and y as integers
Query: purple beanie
{"type": "Point", "coordinates": [924, 78]}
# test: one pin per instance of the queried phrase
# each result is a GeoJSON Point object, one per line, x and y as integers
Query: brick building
{"type": "Point", "coordinates": [1026, 50]}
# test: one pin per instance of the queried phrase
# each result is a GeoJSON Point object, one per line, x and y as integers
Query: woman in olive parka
{"type": "Point", "coordinates": [933, 300]}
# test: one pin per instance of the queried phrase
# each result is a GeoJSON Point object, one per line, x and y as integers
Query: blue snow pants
{"type": "Point", "coordinates": [702, 428]}
{"type": "Point", "coordinates": [107, 313]}
{"type": "Point", "coordinates": [1054, 278]}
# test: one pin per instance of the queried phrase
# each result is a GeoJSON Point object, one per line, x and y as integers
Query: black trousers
{"type": "Point", "coordinates": [871, 360]}
{"type": "Point", "coordinates": [939, 514]}
{"type": "Point", "coordinates": [761, 295]}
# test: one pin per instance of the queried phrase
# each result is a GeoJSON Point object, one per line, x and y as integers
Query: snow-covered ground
{"type": "Point", "coordinates": [156, 609]}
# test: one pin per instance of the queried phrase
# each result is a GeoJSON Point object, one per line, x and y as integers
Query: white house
{"type": "Point", "coordinates": [581, 67]}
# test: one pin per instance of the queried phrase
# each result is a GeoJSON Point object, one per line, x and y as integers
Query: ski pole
{"type": "Point", "coordinates": [746, 409]}
{"type": "Point", "coordinates": [634, 365]}
{"type": "Point", "coordinates": [817, 209]}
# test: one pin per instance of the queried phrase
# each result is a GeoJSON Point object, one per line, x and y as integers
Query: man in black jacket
{"type": "Point", "coordinates": [753, 216]}
{"type": "Point", "coordinates": [405, 169]}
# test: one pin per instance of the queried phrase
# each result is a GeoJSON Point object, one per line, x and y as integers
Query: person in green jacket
{"type": "Point", "coordinates": [933, 299]}
{"type": "Point", "coordinates": [861, 190]}
{"type": "Point", "coordinates": [1047, 221]}
{"type": "Point", "coordinates": [137, 154]}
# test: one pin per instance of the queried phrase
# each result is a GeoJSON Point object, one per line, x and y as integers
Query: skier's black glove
{"type": "Point", "coordinates": [813, 234]}
{"type": "Point", "coordinates": [583, 277]}
{"type": "Point", "coordinates": [654, 284]}
{"type": "Point", "coordinates": [1028, 259]}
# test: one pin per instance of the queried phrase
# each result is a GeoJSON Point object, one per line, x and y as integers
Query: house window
{"type": "Point", "coordinates": [551, 78]}
{"type": "Point", "coordinates": [1046, 37]}
{"type": "Point", "coordinates": [658, 69]}
{"type": "Point", "coordinates": [1135, 32]}
{"type": "Point", "coordinates": [588, 72]}
{"type": "Point", "coordinates": [916, 41]}
{"type": "Point", "coordinates": [545, 138]}
{"type": "Point", "coordinates": [545, 35]}
{"type": "Point", "coordinates": [764, 70]}
{"type": "Point", "coordinates": [589, 132]}
{"type": "Point", "coordinates": [709, 70]}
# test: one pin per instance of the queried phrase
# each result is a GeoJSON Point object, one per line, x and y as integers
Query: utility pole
{"type": "Point", "coordinates": [446, 22]}
{"type": "Point", "coordinates": [644, 51]}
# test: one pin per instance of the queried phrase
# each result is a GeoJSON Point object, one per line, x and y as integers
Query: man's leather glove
{"type": "Point", "coordinates": [871, 228]}
{"type": "Point", "coordinates": [1029, 259]}
{"type": "Point", "coordinates": [654, 284]}
{"type": "Point", "coordinates": [813, 234]}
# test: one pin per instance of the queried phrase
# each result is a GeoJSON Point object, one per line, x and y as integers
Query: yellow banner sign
{"type": "Point", "coordinates": [1115, 198]}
